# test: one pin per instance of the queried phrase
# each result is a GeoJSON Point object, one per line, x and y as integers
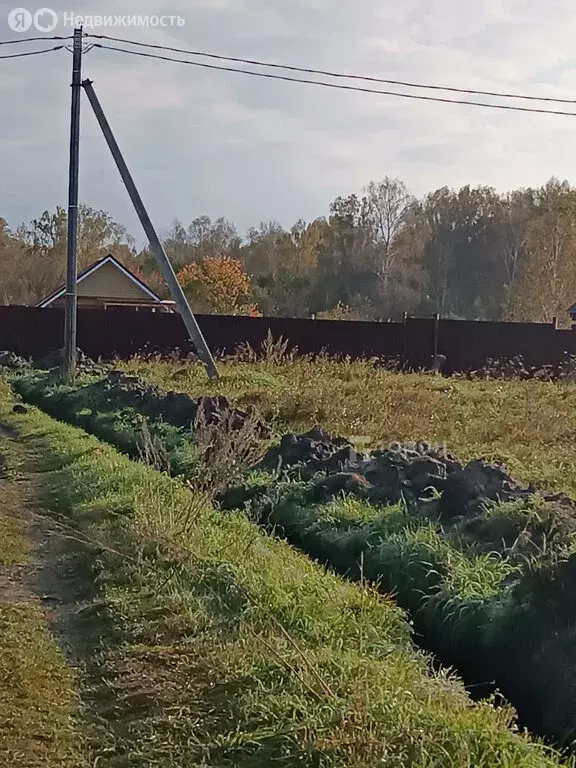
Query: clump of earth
{"type": "Point", "coordinates": [428, 478]}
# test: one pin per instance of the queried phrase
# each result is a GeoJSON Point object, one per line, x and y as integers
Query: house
{"type": "Point", "coordinates": [107, 283]}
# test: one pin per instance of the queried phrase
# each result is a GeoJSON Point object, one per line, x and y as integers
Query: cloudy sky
{"type": "Point", "coordinates": [224, 144]}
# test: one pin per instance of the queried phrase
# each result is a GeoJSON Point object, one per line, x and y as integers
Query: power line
{"type": "Point", "coordinates": [327, 73]}
{"type": "Point", "coordinates": [32, 39]}
{"type": "Point", "coordinates": [31, 53]}
{"type": "Point", "coordinates": [337, 86]}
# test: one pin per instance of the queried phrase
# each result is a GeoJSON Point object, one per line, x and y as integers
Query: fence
{"type": "Point", "coordinates": [122, 332]}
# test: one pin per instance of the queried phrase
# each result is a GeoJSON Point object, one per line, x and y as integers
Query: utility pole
{"type": "Point", "coordinates": [72, 261]}
{"type": "Point", "coordinates": [156, 246]}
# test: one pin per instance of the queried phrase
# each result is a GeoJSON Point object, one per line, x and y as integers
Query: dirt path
{"type": "Point", "coordinates": [39, 657]}
{"type": "Point", "coordinates": [45, 578]}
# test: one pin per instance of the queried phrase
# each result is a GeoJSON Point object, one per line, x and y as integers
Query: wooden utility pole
{"type": "Point", "coordinates": [72, 244]}
{"type": "Point", "coordinates": [155, 244]}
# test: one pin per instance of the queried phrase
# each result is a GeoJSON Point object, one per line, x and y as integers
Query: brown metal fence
{"type": "Point", "coordinates": [122, 332]}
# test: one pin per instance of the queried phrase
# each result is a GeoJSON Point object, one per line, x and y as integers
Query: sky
{"type": "Point", "coordinates": [254, 150]}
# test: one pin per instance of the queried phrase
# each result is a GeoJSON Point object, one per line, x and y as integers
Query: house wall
{"type": "Point", "coordinates": [109, 282]}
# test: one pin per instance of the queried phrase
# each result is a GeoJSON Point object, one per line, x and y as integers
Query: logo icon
{"type": "Point", "coordinates": [20, 20]}
{"type": "Point", "coordinates": [45, 20]}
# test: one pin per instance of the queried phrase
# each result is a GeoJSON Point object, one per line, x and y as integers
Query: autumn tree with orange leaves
{"type": "Point", "coordinates": [218, 285]}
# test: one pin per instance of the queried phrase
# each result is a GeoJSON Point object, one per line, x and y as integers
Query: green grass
{"type": "Point", "coordinates": [217, 645]}
{"type": "Point", "coordinates": [458, 581]}
{"type": "Point", "coordinates": [530, 425]}
{"type": "Point", "coordinates": [494, 611]}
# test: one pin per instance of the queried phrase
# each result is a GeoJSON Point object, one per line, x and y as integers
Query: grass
{"type": "Point", "coordinates": [529, 425]}
{"type": "Point", "coordinates": [14, 546]}
{"type": "Point", "coordinates": [37, 697]}
{"type": "Point", "coordinates": [217, 645]}
{"type": "Point", "coordinates": [467, 586]}
{"type": "Point", "coordinates": [36, 693]}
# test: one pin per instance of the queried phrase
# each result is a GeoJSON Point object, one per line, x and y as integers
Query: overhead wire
{"type": "Point", "coordinates": [337, 86]}
{"type": "Point", "coordinates": [341, 75]}
{"type": "Point", "coordinates": [306, 81]}
{"type": "Point", "coordinates": [31, 53]}
{"type": "Point", "coordinates": [33, 39]}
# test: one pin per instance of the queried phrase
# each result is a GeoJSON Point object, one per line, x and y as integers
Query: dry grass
{"type": "Point", "coordinates": [13, 543]}
{"type": "Point", "coordinates": [530, 425]}
{"type": "Point", "coordinates": [36, 695]}
{"type": "Point", "coordinates": [225, 451]}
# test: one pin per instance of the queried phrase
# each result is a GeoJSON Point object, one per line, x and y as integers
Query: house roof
{"type": "Point", "coordinates": [59, 292]}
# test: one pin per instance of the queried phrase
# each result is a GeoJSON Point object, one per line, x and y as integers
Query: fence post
{"type": "Point", "coordinates": [436, 333]}
{"type": "Point", "coordinates": [437, 360]}
{"type": "Point", "coordinates": [403, 353]}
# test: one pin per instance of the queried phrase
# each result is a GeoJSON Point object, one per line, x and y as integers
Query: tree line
{"type": "Point", "coordinates": [469, 253]}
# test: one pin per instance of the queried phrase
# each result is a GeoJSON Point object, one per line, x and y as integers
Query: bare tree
{"type": "Point", "coordinates": [518, 207]}
{"type": "Point", "coordinates": [385, 207]}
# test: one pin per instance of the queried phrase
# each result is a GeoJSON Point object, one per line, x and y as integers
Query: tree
{"type": "Point", "coordinates": [11, 254]}
{"type": "Point", "coordinates": [518, 207]}
{"type": "Point", "coordinates": [366, 258]}
{"type": "Point", "coordinates": [461, 238]}
{"type": "Point", "coordinates": [385, 209]}
{"type": "Point", "coordinates": [219, 286]}
{"type": "Point", "coordinates": [213, 238]}
{"type": "Point", "coordinates": [345, 260]}
{"type": "Point", "coordinates": [43, 247]}
{"type": "Point", "coordinates": [283, 265]}
{"type": "Point", "coordinates": [465, 253]}
{"type": "Point", "coordinates": [177, 245]}
{"type": "Point", "coordinates": [547, 284]}
{"type": "Point", "coordinates": [201, 239]}
{"type": "Point", "coordinates": [358, 309]}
